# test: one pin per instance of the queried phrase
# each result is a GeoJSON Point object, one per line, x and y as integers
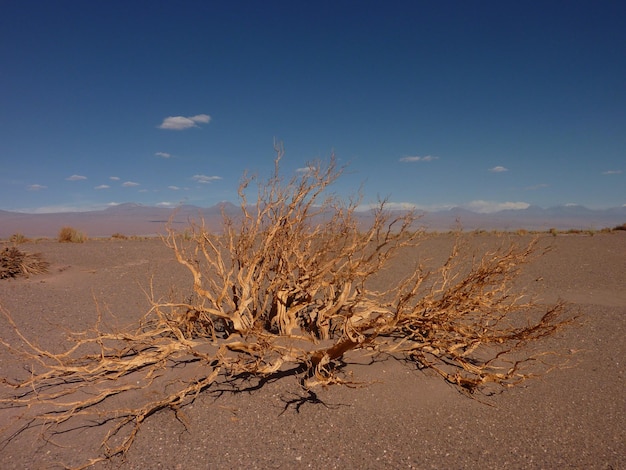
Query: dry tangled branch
{"type": "Point", "coordinates": [287, 285]}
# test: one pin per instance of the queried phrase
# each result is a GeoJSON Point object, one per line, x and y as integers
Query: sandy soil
{"type": "Point", "coordinates": [570, 418]}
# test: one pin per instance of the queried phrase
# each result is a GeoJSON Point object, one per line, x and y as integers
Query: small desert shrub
{"type": "Point", "coordinates": [620, 227]}
{"type": "Point", "coordinates": [15, 263]}
{"type": "Point", "coordinates": [18, 239]}
{"type": "Point", "coordinates": [119, 236]}
{"type": "Point", "coordinates": [286, 288]}
{"type": "Point", "coordinates": [71, 235]}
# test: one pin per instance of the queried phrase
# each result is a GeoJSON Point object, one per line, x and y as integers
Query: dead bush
{"type": "Point", "coordinates": [286, 289]}
{"type": "Point", "coordinates": [16, 263]}
{"type": "Point", "coordinates": [71, 235]}
{"type": "Point", "coordinates": [18, 239]}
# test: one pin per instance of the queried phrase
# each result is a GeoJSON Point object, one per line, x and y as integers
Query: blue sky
{"type": "Point", "coordinates": [484, 105]}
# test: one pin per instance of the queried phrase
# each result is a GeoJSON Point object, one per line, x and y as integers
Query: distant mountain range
{"type": "Point", "coordinates": [136, 219]}
{"type": "Point", "coordinates": [531, 218]}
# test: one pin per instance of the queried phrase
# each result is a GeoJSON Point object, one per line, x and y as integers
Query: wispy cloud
{"type": "Point", "coordinates": [205, 179]}
{"type": "Point", "coordinates": [129, 184]}
{"type": "Point", "coordinates": [76, 178]}
{"type": "Point", "coordinates": [166, 204]}
{"type": "Point", "coordinates": [53, 209]}
{"type": "Point", "coordinates": [406, 206]}
{"type": "Point", "coordinates": [498, 169]}
{"type": "Point", "coordinates": [163, 155]}
{"type": "Point", "coordinates": [102, 186]}
{"type": "Point", "coordinates": [65, 208]}
{"type": "Point", "coordinates": [485, 207]}
{"type": "Point", "coordinates": [114, 178]}
{"type": "Point", "coordinates": [36, 187]}
{"type": "Point", "coordinates": [390, 206]}
{"type": "Point", "coordinates": [399, 206]}
{"type": "Point", "coordinates": [612, 172]}
{"type": "Point", "coordinates": [415, 158]}
{"type": "Point", "coordinates": [306, 169]}
{"type": "Point", "coordinates": [173, 188]}
{"type": "Point", "coordinates": [179, 123]}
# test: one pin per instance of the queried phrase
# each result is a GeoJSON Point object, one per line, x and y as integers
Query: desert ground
{"type": "Point", "coordinates": [573, 417]}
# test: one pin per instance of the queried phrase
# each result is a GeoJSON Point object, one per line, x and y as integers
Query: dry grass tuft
{"type": "Point", "coordinates": [16, 263]}
{"type": "Point", "coordinates": [18, 239]}
{"type": "Point", "coordinates": [119, 236]}
{"type": "Point", "coordinates": [286, 289]}
{"type": "Point", "coordinates": [71, 235]}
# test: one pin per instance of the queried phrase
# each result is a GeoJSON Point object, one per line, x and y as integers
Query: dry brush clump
{"type": "Point", "coordinates": [71, 235]}
{"type": "Point", "coordinates": [18, 239]}
{"type": "Point", "coordinates": [288, 287]}
{"type": "Point", "coordinates": [17, 263]}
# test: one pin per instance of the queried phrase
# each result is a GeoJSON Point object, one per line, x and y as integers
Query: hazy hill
{"type": "Point", "coordinates": [136, 219]}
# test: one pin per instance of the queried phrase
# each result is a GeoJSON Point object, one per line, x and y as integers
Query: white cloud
{"type": "Point", "coordinates": [173, 188]}
{"type": "Point", "coordinates": [408, 206]}
{"type": "Point", "coordinates": [485, 207]}
{"type": "Point", "coordinates": [65, 208]}
{"type": "Point", "coordinates": [128, 184]}
{"type": "Point", "coordinates": [205, 179]}
{"type": "Point", "coordinates": [114, 178]}
{"type": "Point", "coordinates": [163, 155]}
{"type": "Point", "coordinates": [399, 206]}
{"type": "Point", "coordinates": [179, 123]}
{"type": "Point", "coordinates": [166, 204]}
{"type": "Point", "coordinates": [415, 158]}
{"type": "Point", "coordinates": [76, 178]}
{"type": "Point", "coordinates": [36, 187]}
{"type": "Point", "coordinates": [390, 206]}
{"type": "Point", "coordinates": [204, 118]}
{"type": "Point", "coordinates": [55, 209]}
{"type": "Point", "coordinates": [612, 172]}
{"type": "Point", "coordinates": [498, 169]}
{"type": "Point", "coordinates": [306, 169]}
{"type": "Point", "coordinates": [102, 186]}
